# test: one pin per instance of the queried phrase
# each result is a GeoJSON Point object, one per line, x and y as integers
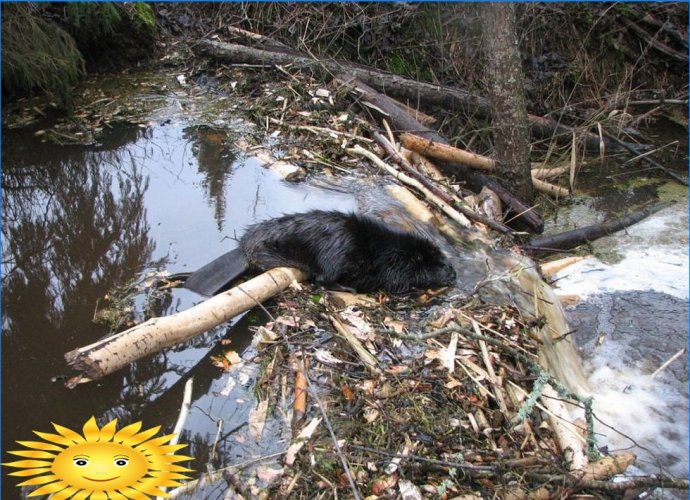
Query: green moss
{"type": "Point", "coordinates": [672, 191]}
{"type": "Point", "coordinates": [145, 18]}
{"type": "Point", "coordinates": [398, 65]}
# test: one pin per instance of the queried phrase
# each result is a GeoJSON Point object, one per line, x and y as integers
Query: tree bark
{"type": "Point", "coordinates": [110, 354]}
{"type": "Point", "coordinates": [507, 97]}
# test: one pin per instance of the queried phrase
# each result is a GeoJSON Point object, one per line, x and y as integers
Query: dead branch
{"type": "Point", "coordinates": [476, 180]}
{"type": "Point", "coordinates": [636, 151]}
{"type": "Point", "coordinates": [576, 237]}
{"type": "Point", "coordinates": [656, 44]}
{"type": "Point", "coordinates": [365, 356]}
{"type": "Point", "coordinates": [410, 170]}
{"type": "Point", "coordinates": [451, 98]}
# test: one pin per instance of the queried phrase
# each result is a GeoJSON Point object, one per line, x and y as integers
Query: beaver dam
{"type": "Point", "coordinates": [466, 385]}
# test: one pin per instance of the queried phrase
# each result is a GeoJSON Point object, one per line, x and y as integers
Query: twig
{"type": "Point", "coordinates": [639, 157]}
{"type": "Point", "coordinates": [367, 358]}
{"type": "Point", "coordinates": [654, 163]}
{"type": "Point", "coordinates": [493, 379]}
{"type": "Point", "coordinates": [336, 445]}
{"type": "Point", "coordinates": [638, 482]}
{"type": "Point", "coordinates": [182, 417]}
{"type": "Point", "coordinates": [184, 410]}
{"type": "Point", "coordinates": [669, 361]}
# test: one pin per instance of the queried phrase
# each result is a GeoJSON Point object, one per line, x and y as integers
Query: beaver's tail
{"type": "Point", "coordinates": [217, 275]}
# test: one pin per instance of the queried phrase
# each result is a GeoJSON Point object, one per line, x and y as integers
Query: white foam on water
{"type": "Point", "coordinates": [655, 257]}
{"type": "Point", "coordinates": [643, 415]}
{"type": "Point", "coordinates": [653, 413]}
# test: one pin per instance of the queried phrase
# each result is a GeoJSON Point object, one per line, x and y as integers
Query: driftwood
{"type": "Point", "coordinates": [447, 97]}
{"type": "Point", "coordinates": [571, 239]}
{"type": "Point", "coordinates": [402, 122]}
{"type": "Point", "coordinates": [109, 355]}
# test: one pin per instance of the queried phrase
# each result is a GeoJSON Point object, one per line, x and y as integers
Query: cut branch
{"type": "Point", "coordinates": [403, 122]}
{"type": "Point", "coordinates": [109, 355]}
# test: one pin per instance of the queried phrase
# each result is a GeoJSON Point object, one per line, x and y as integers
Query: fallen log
{"type": "Point", "coordinates": [571, 239]}
{"type": "Point", "coordinates": [451, 98]}
{"type": "Point", "coordinates": [109, 355]}
{"type": "Point", "coordinates": [402, 122]}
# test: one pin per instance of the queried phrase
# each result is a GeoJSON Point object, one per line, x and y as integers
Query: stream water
{"type": "Point", "coordinates": [78, 221]}
{"type": "Point", "coordinates": [633, 318]}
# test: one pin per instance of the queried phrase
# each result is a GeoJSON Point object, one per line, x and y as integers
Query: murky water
{"type": "Point", "coordinates": [79, 221]}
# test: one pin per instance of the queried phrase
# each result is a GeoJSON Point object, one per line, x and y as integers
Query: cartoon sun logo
{"type": "Point", "coordinates": [102, 464]}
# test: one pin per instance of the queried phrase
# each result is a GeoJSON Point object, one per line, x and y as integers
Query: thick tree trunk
{"type": "Point", "coordinates": [507, 97]}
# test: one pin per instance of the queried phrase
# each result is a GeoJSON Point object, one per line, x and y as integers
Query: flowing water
{"type": "Point", "coordinates": [633, 318]}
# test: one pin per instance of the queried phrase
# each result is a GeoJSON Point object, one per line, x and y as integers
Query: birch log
{"type": "Point", "coordinates": [109, 355]}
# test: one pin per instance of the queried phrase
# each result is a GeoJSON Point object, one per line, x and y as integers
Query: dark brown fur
{"type": "Point", "coordinates": [349, 250]}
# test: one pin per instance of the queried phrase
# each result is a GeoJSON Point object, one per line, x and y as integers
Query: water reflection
{"type": "Point", "coordinates": [78, 222]}
{"type": "Point", "coordinates": [72, 229]}
{"type": "Point", "coordinates": [215, 160]}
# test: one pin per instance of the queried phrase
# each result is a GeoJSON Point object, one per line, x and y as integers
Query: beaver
{"type": "Point", "coordinates": [336, 249]}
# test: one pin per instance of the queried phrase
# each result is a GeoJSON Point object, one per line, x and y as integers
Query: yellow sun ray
{"type": "Point", "coordinates": [108, 430]}
{"type": "Point", "coordinates": [66, 493]}
{"type": "Point", "coordinates": [114, 495]}
{"type": "Point", "coordinates": [35, 481]}
{"type": "Point", "coordinates": [39, 445]}
{"type": "Point", "coordinates": [49, 488]}
{"type": "Point", "coordinates": [33, 454]}
{"type": "Point", "coordinates": [101, 464]}
{"type": "Point", "coordinates": [134, 494]}
{"type": "Point", "coordinates": [80, 495]}
{"type": "Point", "coordinates": [127, 432]}
{"type": "Point", "coordinates": [75, 437]}
{"type": "Point", "coordinates": [30, 472]}
{"type": "Point", "coordinates": [142, 436]}
{"type": "Point", "coordinates": [54, 438]}
{"type": "Point", "coordinates": [28, 463]}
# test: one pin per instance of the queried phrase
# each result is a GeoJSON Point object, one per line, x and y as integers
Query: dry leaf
{"type": "Point", "coordinates": [383, 483]}
{"type": "Point", "coordinates": [347, 392]}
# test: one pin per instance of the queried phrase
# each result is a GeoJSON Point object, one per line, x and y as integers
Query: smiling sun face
{"type": "Point", "coordinates": [100, 464]}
